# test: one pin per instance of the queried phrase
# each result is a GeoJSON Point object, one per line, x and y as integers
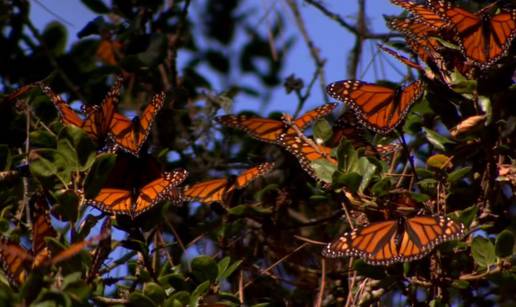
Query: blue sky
{"type": "Point", "coordinates": [333, 41]}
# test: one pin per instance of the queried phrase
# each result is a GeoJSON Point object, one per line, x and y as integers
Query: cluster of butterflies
{"type": "Point", "coordinates": [18, 262]}
{"type": "Point", "coordinates": [483, 40]}
{"type": "Point", "coordinates": [136, 183]}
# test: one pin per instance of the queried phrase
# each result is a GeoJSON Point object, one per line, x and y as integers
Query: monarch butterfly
{"type": "Point", "coordinates": [269, 130]}
{"type": "Point", "coordinates": [424, 14]}
{"type": "Point", "coordinates": [219, 190]}
{"type": "Point", "coordinates": [98, 119]}
{"type": "Point", "coordinates": [422, 41]}
{"type": "Point", "coordinates": [17, 262]}
{"type": "Point", "coordinates": [482, 38]}
{"type": "Point", "coordinates": [130, 135]}
{"type": "Point", "coordinates": [135, 185]}
{"type": "Point", "coordinates": [306, 152]}
{"type": "Point", "coordinates": [391, 241]}
{"type": "Point", "coordinates": [378, 108]}
{"type": "Point", "coordinates": [102, 121]}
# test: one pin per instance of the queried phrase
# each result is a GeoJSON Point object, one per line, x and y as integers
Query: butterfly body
{"type": "Point", "coordinates": [400, 240]}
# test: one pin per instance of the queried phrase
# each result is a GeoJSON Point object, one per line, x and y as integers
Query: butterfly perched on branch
{"type": "Point", "coordinates": [18, 262]}
{"type": "Point", "coordinates": [377, 107]}
{"type": "Point", "coordinates": [135, 185]}
{"type": "Point", "coordinates": [398, 240]}
{"type": "Point", "coordinates": [102, 122]}
{"type": "Point", "coordinates": [270, 130]}
{"type": "Point", "coordinates": [220, 189]}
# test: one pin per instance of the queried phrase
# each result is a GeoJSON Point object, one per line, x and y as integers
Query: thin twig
{"type": "Point", "coordinates": [314, 51]}
{"type": "Point", "coordinates": [322, 284]}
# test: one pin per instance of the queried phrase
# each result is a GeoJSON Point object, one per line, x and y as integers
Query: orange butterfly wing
{"type": "Point", "coordinates": [67, 114]}
{"type": "Point", "coordinates": [207, 191]}
{"type": "Point", "coordinates": [16, 261]}
{"type": "Point", "coordinates": [131, 135]}
{"type": "Point", "coordinates": [313, 115]}
{"type": "Point", "coordinates": [392, 241]}
{"type": "Point", "coordinates": [423, 233]}
{"type": "Point", "coordinates": [157, 190]}
{"type": "Point", "coordinates": [263, 129]}
{"type": "Point", "coordinates": [375, 243]}
{"type": "Point", "coordinates": [482, 39]}
{"type": "Point", "coordinates": [41, 228]}
{"type": "Point", "coordinates": [423, 13]}
{"type": "Point", "coordinates": [379, 108]}
{"type": "Point", "coordinates": [249, 175]}
{"type": "Point", "coordinates": [306, 153]}
{"type": "Point", "coordinates": [270, 130]}
{"type": "Point", "coordinates": [217, 190]}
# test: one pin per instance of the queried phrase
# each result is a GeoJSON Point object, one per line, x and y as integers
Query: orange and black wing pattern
{"type": "Point", "coordinates": [424, 15]}
{"type": "Point", "coordinates": [378, 108]}
{"type": "Point", "coordinates": [16, 261]}
{"type": "Point", "coordinates": [217, 190]}
{"type": "Point", "coordinates": [387, 242]}
{"type": "Point", "coordinates": [130, 135]}
{"type": "Point", "coordinates": [313, 115]}
{"type": "Point", "coordinates": [483, 39]}
{"type": "Point", "coordinates": [157, 190]}
{"type": "Point", "coordinates": [262, 129]}
{"type": "Point", "coordinates": [98, 118]}
{"type": "Point", "coordinates": [41, 228]}
{"type": "Point", "coordinates": [306, 152]}
{"type": "Point", "coordinates": [270, 130]}
{"type": "Point", "coordinates": [132, 200]}
{"type": "Point", "coordinates": [346, 127]}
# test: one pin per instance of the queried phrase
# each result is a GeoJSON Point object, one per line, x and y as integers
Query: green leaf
{"type": "Point", "coordinates": [67, 207]}
{"type": "Point", "coordinates": [322, 130]}
{"type": "Point", "coordinates": [458, 174]}
{"type": "Point", "coordinates": [75, 287]}
{"type": "Point", "coordinates": [229, 270]}
{"type": "Point", "coordinates": [351, 180]}
{"type": "Point", "coordinates": [82, 149]}
{"type": "Point", "coordinates": [468, 215]}
{"type": "Point", "coordinates": [42, 139]}
{"type": "Point", "coordinates": [346, 155]}
{"type": "Point", "coordinates": [324, 169]}
{"type": "Point", "coordinates": [382, 187]}
{"type": "Point", "coordinates": [439, 161]}
{"type": "Point", "coordinates": [47, 163]}
{"type": "Point", "coordinates": [204, 268]}
{"type": "Point", "coordinates": [139, 299]}
{"type": "Point", "coordinates": [174, 280]}
{"type": "Point", "coordinates": [487, 108]}
{"type": "Point", "coordinates": [96, 6]}
{"type": "Point", "coordinates": [156, 51]}
{"type": "Point", "coordinates": [483, 252]}
{"type": "Point", "coordinates": [54, 36]}
{"type": "Point", "coordinates": [437, 140]}
{"type": "Point", "coordinates": [428, 184]}
{"type": "Point", "coordinates": [198, 292]}
{"type": "Point", "coordinates": [154, 292]}
{"type": "Point", "coordinates": [460, 284]}
{"type": "Point", "coordinates": [98, 174]}
{"type": "Point", "coordinates": [367, 170]}
{"type": "Point", "coordinates": [504, 244]}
